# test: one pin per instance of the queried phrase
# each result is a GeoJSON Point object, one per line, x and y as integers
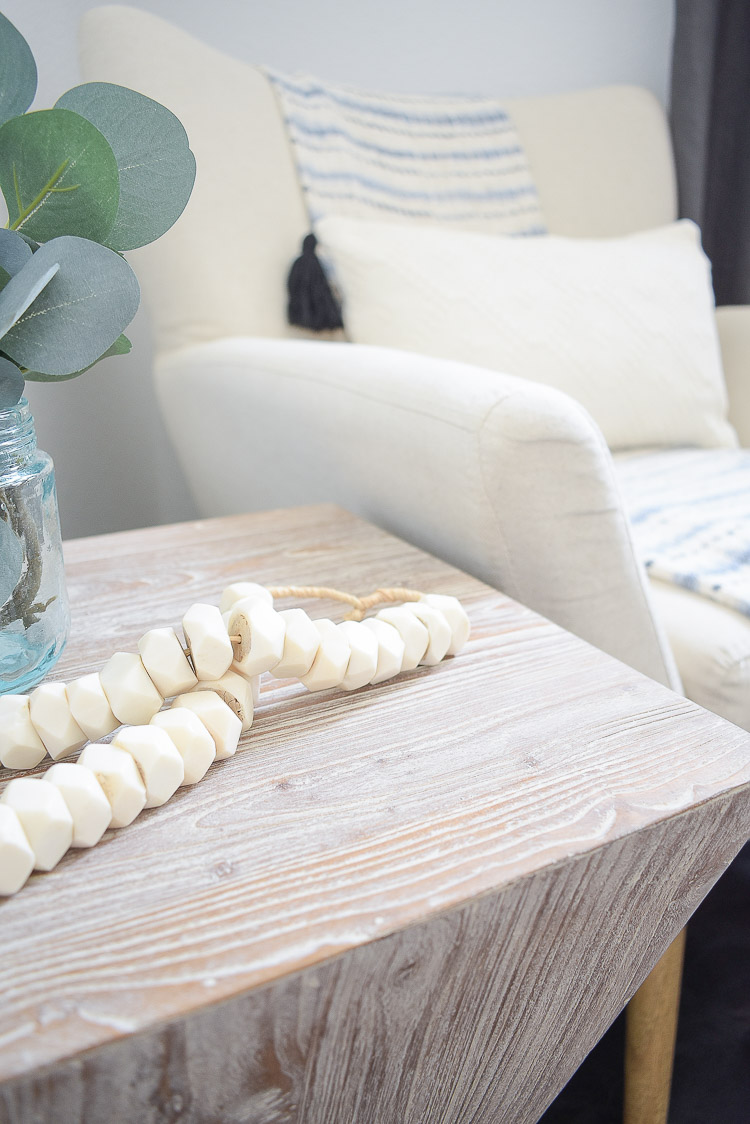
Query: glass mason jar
{"type": "Point", "coordinates": [34, 616]}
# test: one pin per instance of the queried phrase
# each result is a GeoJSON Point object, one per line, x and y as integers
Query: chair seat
{"type": "Point", "coordinates": [711, 644]}
{"type": "Point", "coordinates": [688, 514]}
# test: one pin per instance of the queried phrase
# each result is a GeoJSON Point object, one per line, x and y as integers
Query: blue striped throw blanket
{"type": "Point", "coordinates": [690, 514]}
{"type": "Point", "coordinates": [452, 160]}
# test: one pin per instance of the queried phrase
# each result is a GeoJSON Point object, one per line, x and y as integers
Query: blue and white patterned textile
{"type": "Point", "coordinates": [690, 514]}
{"type": "Point", "coordinates": [452, 160]}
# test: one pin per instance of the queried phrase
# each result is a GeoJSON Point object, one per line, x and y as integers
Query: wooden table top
{"type": "Point", "coordinates": [343, 817]}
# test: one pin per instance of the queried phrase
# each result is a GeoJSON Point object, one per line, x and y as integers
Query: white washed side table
{"type": "Point", "coordinates": [424, 901]}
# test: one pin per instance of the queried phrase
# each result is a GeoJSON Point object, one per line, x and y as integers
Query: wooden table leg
{"type": "Point", "coordinates": [651, 1030]}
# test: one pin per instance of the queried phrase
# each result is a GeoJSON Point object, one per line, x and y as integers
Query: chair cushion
{"type": "Point", "coordinates": [690, 515]}
{"type": "Point", "coordinates": [711, 645]}
{"type": "Point", "coordinates": [625, 326]}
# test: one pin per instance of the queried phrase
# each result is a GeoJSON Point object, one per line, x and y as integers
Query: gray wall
{"type": "Point", "coordinates": [114, 466]}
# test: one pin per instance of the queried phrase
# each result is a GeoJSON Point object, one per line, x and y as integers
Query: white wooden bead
{"type": "Point", "coordinates": [192, 740]}
{"type": "Point", "coordinates": [456, 616]}
{"type": "Point", "coordinates": [44, 816]}
{"type": "Point", "coordinates": [301, 643]}
{"type": "Point", "coordinates": [261, 630]}
{"type": "Point", "coordinates": [363, 661]}
{"type": "Point", "coordinates": [239, 591]}
{"type": "Point", "coordinates": [237, 692]}
{"type": "Point", "coordinates": [90, 707]}
{"type": "Point", "coordinates": [131, 694]}
{"type": "Point", "coordinates": [438, 628]}
{"type": "Point", "coordinates": [411, 630]}
{"type": "Point", "coordinates": [20, 745]}
{"type": "Point", "coordinates": [390, 649]}
{"type": "Point", "coordinates": [117, 773]}
{"type": "Point", "coordinates": [220, 720]}
{"type": "Point", "coordinates": [253, 680]}
{"type": "Point", "coordinates": [53, 720]}
{"type": "Point", "coordinates": [16, 855]}
{"type": "Point", "coordinates": [166, 663]}
{"type": "Point", "coordinates": [329, 666]}
{"type": "Point", "coordinates": [206, 636]}
{"type": "Point", "coordinates": [158, 761]}
{"type": "Point", "coordinates": [85, 800]}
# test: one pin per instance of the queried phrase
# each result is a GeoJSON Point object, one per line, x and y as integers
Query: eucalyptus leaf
{"type": "Point", "coordinates": [14, 251]}
{"type": "Point", "coordinates": [17, 71]}
{"type": "Point", "coordinates": [79, 315]}
{"type": "Point", "coordinates": [58, 175]}
{"type": "Point", "coordinates": [23, 289]}
{"type": "Point", "coordinates": [11, 560]}
{"type": "Point", "coordinates": [157, 168]}
{"type": "Point", "coordinates": [11, 385]}
{"type": "Point", "coordinates": [30, 242]}
{"type": "Point", "coordinates": [121, 346]}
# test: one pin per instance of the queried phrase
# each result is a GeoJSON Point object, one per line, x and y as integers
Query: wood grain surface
{"type": "Point", "coordinates": [424, 901]}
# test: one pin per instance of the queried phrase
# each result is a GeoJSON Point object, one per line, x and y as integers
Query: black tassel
{"type": "Point", "coordinates": [312, 304]}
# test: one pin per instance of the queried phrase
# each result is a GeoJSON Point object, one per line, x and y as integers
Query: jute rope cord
{"type": "Point", "coordinates": [360, 605]}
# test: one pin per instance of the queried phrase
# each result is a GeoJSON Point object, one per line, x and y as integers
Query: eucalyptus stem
{"type": "Point", "coordinates": [50, 188]}
{"type": "Point", "coordinates": [22, 604]}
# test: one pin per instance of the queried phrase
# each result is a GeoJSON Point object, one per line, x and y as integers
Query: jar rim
{"type": "Point", "coordinates": [21, 408]}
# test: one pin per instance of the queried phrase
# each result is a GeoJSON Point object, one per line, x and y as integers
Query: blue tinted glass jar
{"type": "Point", "coordinates": [34, 615]}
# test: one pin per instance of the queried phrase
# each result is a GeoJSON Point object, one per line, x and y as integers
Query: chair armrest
{"type": "Point", "coordinates": [733, 322]}
{"type": "Point", "coordinates": [507, 479]}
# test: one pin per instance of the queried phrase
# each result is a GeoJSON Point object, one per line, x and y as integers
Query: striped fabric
{"type": "Point", "coordinates": [452, 160]}
{"type": "Point", "coordinates": [690, 513]}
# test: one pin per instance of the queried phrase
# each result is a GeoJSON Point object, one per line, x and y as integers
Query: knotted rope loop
{"type": "Point", "coordinates": [360, 605]}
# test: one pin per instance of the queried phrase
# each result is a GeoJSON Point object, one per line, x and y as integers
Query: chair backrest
{"type": "Point", "coordinates": [601, 159]}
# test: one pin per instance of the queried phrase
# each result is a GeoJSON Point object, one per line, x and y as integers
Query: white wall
{"type": "Point", "coordinates": [114, 467]}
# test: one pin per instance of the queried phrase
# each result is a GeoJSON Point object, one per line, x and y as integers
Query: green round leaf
{"type": "Point", "coordinates": [22, 289]}
{"type": "Point", "coordinates": [157, 168]}
{"type": "Point", "coordinates": [79, 315]}
{"type": "Point", "coordinates": [14, 252]}
{"type": "Point", "coordinates": [30, 242]}
{"type": "Point", "coordinates": [121, 346]}
{"type": "Point", "coordinates": [17, 72]}
{"type": "Point", "coordinates": [58, 175]}
{"type": "Point", "coordinates": [11, 560]}
{"type": "Point", "coordinates": [11, 384]}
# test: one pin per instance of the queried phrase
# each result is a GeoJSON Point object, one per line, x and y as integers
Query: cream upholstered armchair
{"type": "Point", "coordinates": [506, 478]}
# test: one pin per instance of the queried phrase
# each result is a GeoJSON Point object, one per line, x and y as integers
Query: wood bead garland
{"type": "Point", "coordinates": [90, 707]}
{"type": "Point", "coordinates": [192, 740]}
{"type": "Point", "coordinates": [166, 662]}
{"type": "Point", "coordinates": [213, 684]}
{"type": "Point", "coordinates": [118, 775]}
{"type": "Point", "coordinates": [85, 799]}
{"type": "Point", "coordinates": [20, 744]}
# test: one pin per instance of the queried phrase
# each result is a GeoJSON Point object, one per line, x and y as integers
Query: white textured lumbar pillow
{"type": "Point", "coordinates": [625, 326]}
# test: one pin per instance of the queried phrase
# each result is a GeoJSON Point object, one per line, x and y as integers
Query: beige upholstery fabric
{"type": "Point", "coordinates": [626, 326]}
{"type": "Point", "coordinates": [246, 219]}
{"type": "Point", "coordinates": [222, 269]}
{"type": "Point", "coordinates": [507, 479]}
{"type": "Point", "coordinates": [711, 644]}
{"type": "Point", "coordinates": [601, 159]}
